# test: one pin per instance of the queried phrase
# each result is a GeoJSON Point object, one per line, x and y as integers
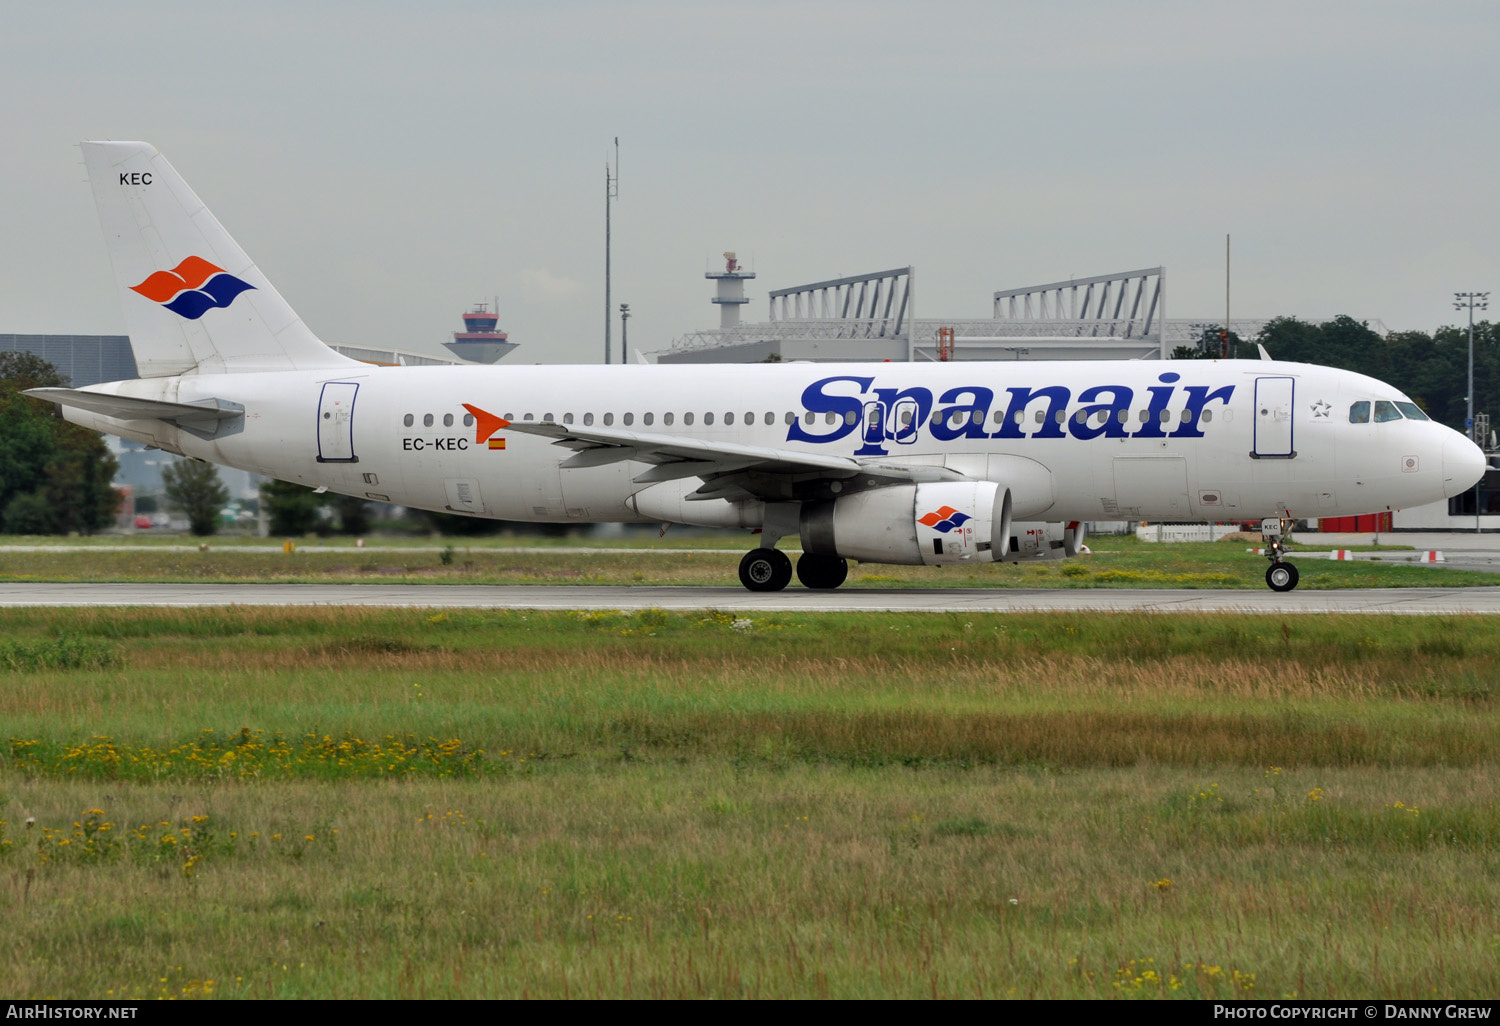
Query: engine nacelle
{"type": "Point", "coordinates": [1036, 540]}
{"type": "Point", "coordinates": [944, 522]}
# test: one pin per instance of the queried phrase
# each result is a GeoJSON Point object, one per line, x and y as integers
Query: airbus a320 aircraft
{"type": "Point", "coordinates": [885, 463]}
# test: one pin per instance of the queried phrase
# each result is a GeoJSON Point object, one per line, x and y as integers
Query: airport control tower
{"type": "Point", "coordinates": [731, 290]}
{"type": "Point", "coordinates": [480, 341]}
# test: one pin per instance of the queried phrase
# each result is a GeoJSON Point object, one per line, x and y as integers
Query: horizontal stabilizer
{"type": "Point", "coordinates": [206, 419]}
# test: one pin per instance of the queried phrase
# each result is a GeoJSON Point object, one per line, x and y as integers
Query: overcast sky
{"type": "Point", "coordinates": [387, 164]}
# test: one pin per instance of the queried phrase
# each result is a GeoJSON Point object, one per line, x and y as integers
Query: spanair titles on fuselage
{"type": "Point", "coordinates": [890, 416]}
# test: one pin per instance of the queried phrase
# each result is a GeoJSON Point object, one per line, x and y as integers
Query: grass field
{"type": "Point", "coordinates": [294, 803]}
{"type": "Point", "coordinates": [688, 559]}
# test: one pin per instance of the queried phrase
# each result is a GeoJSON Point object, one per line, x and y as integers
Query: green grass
{"type": "Point", "coordinates": [496, 804]}
{"type": "Point", "coordinates": [1117, 562]}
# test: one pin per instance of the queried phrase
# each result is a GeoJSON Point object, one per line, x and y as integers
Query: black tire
{"type": "Point", "coordinates": [765, 570]}
{"type": "Point", "coordinates": [821, 572]}
{"type": "Point", "coordinates": [1281, 576]}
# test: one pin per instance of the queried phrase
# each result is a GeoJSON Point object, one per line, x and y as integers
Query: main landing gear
{"type": "Point", "coordinates": [1281, 575]}
{"type": "Point", "coordinates": [765, 570]}
{"type": "Point", "coordinates": [771, 570]}
{"type": "Point", "coordinates": [768, 569]}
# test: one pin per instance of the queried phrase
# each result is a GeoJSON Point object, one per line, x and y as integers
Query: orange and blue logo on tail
{"type": "Point", "coordinates": [192, 288]}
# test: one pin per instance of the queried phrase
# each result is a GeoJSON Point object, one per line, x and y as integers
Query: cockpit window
{"type": "Point", "coordinates": [1359, 413]}
{"type": "Point", "coordinates": [1412, 411]}
{"type": "Point", "coordinates": [1385, 411]}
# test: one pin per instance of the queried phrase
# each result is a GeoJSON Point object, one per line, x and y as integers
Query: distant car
{"type": "Point", "coordinates": [143, 521]}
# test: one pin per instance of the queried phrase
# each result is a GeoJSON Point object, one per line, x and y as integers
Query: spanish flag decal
{"type": "Point", "coordinates": [485, 425]}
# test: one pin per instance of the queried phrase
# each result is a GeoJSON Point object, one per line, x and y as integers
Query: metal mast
{"type": "Point", "coordinates": [1469, 301]}
{"type": "Point", "coordinates": [611, 192]}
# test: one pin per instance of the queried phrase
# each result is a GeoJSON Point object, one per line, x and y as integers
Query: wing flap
{"type": "Point", "coordinates": [679, 457]}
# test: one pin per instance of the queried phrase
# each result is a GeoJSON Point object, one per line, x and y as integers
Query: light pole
{"type": "Point", "coordinates": [624, 338]}
{"type": "Point", "coordinates": [1471, 301]}
{"type": "Point", "coordinates": [611, 192]}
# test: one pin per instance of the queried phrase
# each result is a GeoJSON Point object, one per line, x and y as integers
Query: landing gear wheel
{"type": "Point", "coordinates": [1282, 576]}
{"type": "Point", "coordinates": [821, 572]}
{"type": "Point", "coordinates": [765, 570]}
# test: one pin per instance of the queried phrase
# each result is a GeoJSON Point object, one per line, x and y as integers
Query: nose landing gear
{"type": "Point", "coordinates": [1281, 575]}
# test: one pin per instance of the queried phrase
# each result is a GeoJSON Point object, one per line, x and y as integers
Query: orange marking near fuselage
{"type": "Point", "coordinates": [485, 424]}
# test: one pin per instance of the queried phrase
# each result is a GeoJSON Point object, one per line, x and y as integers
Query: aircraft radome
{"type": "Point", "coordinates": [927, 463]}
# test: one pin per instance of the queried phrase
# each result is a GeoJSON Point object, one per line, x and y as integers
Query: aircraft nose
{"type": "Point", "coordinates": [1463, 464]}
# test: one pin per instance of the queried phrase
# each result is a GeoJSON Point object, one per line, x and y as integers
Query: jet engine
{"type": "Point", "coordinates": [942, 522]}
{"type": "Point", "coordinates": [1037, 540]}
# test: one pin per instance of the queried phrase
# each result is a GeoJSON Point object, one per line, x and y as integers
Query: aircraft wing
{"type": "Point", "coordinates": [729, 470]}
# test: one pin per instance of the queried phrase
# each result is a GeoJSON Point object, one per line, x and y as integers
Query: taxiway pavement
{"type": "Point", "coordinates": [936, 600]}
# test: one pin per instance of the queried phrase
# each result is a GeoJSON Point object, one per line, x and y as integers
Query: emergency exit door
{"type": "Point", "coordinates": [1274, 398]}
{"type": "Point", "coordinates": [336, 422]}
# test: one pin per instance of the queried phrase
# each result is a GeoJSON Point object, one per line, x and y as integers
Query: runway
{"type": "Point", "coordinates": [1412, 601]}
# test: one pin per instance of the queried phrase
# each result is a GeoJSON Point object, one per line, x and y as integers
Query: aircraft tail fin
{"type": "Point", "coordinates": [194, 303]}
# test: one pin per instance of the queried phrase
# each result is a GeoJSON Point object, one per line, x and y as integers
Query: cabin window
{"type": "Point", "coordinates": [687, 418]}
{"type": "Point", "coordinates": [1187, 415]}
{"type": "Point", "coordinates": [1144, 416]}
{"type": "Point", "coordinates": [1124, 416]}
{"type": "Point", "coordinates": [648, 419]}
{"type": "Point", "coordinates": [1165, 416]}
{"type": "Point", "coordinates": [567, 418]}
{"type": "Point", "coordinates": [831, 417]}
{"type": "Point", "coordinates": [628, 419]}
{"type": "Point", "coordinates": [666, 418]}
{"type": "Point", "coordinates": [770, 418]}
{"type": "Point", "coordinates": [1080, 417]}
{"type": "Point", "coordinates": [850, 417]}
{"type": "Point", "coordinates": [1206, 416]}
{"type": "Point", "coordinates": [728, 418]}
{"type": "Point", "coordinates": [1041, 416]}
{"type": "Point", "coordinates": [1386, 411]}
{"type": "Point", "coordinates": [977, 417]}
{"type": "Point", "coordinates": [408, 420]}
{"type": "Point", "coordinates": [708, 420]}
{"type": "Point", "coordinates": [509, 416]}
{"type": "Point", "coordinates": [609, 418]}
{"type": "Point", "coordinates": [906, 416]}
{"type": "Point", "coordinates": [527, 416]}
{"type": "Point", "coordinates": [1061, 417]}
{"type": "Point", "coordinates": [547, 417]}
{"type": "Point", "coordinates": [1359, 413]}
{"type": "Point", "coordinates": [427, 420]}
{"type": "Point", "coordinates": [809, 418]}
{"type": "Point", "coordinates": [469, 420]}
{"type": "Point", "coordinates": [791, 418]}
{"type": "Point", "coordinates": [447, 420]}
{"type": "Point", "coordinates": [588, 419]}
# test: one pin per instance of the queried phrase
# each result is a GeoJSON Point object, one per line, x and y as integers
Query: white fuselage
{"type": "Point", "coordinates": [1179, 440]}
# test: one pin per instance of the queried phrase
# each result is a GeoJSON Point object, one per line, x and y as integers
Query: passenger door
{"type": "Point", "coordinates": [1274, 398]}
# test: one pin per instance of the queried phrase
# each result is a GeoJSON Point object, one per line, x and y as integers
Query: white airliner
{"type": "Point", "coordinates": [927, 463]}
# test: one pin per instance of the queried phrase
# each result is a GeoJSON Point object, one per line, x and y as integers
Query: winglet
{"type": "Point", "coordinates": [485, 424]}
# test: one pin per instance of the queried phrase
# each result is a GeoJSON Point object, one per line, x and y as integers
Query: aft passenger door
{"type": "Point", "coordinates": [1274, 399]}
{"type": "Point", "coordinates": [336, 422]}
